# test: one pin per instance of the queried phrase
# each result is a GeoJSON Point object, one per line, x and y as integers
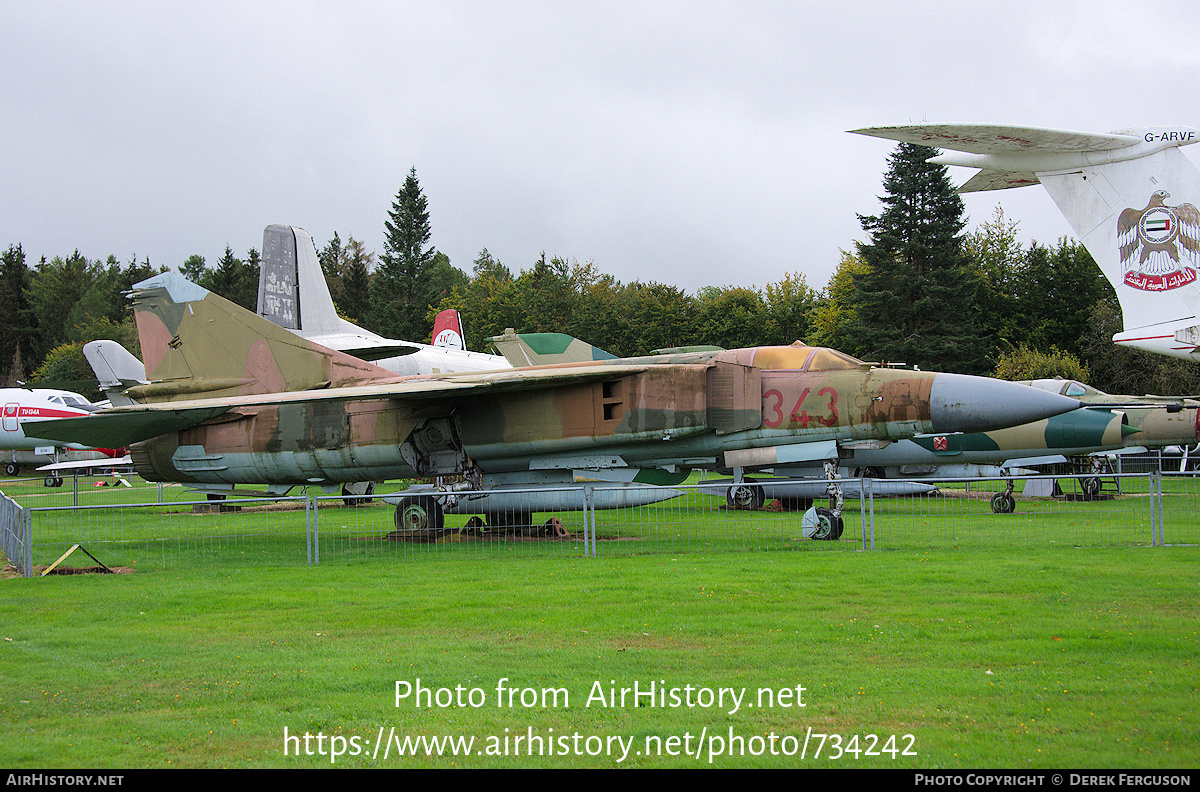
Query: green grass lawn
{"type": "Point", "coordinates": [1011, 657]}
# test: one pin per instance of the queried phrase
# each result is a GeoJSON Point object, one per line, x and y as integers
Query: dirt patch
{"type": "Point", "coordinates": [92, 570]}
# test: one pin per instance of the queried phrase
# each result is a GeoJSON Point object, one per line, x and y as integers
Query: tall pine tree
{"type": "Point", "coordinates": [916, 301]}
{"type": "Point", "coordinates": [397, 310]}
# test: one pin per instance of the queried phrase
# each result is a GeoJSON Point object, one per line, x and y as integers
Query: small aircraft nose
{"type": "Point", "coordinates": [962, 403]}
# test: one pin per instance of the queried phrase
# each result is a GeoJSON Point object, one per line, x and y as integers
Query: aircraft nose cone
{"type": "Point", "coordinates": [962, 403]}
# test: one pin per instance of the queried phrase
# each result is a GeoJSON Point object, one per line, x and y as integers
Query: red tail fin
{"type": "Point", "coordinates": [447, 330]}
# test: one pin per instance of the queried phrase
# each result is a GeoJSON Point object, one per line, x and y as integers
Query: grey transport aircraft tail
{"type": "Point", "coordinates": [292, 293]}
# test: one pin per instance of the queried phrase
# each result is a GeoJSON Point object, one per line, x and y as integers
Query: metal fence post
{"type": "Point", "coordinates": [864, 489]}
{"type": "Point", "coordinates": [27, 520]}
{"type": "Point", "coordinates": [308, 534]}
{"type": "Point", "coordinates": [589, 522]}
{"type": "Point", "coordinates": [316, 528]}
{"type": "Point", "coordinates": [871, 515]}
{"type": "Point", "coordinates": [1158, 487]}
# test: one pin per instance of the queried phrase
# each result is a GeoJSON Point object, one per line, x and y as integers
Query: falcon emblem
{"type": "Point", "coordinates": [1160, 245]}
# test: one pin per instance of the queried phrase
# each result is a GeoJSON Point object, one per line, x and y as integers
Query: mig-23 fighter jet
{"type": "Point", "coordinates": [234, 399]}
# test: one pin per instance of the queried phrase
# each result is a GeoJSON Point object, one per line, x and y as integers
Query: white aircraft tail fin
{"type": "Point", "coordinates": [290, 268]}
{"type": "Point", "coordinates": [293, 294]}
{"type": "Point", "coordinates": [115, 368]}
{"type": "Point", "coordinates": [1131, 197]}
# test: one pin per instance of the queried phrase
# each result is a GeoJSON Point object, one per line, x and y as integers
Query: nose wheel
{"type": "Point", "coordinates": [821, 523]}
{"type": "Point", "coordinates": [1004, 502]}
{"type": "Point", "coordinates": [746, 495]}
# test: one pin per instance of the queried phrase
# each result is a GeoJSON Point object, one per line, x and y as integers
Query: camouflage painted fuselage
{"type": "Point", "coordinates": [1156, 421]}
{"type": "Point", "coordinates": [236, 399]}
{"type": "Point", "coordinates": [1080, 431]}
{"type": "Point", "coordinates": [662, 412]}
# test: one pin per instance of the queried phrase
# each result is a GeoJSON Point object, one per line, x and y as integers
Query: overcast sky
{"type": "Point", "coordinates": [686, 143]}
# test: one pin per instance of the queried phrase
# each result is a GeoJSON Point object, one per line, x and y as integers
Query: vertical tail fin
{"type": "Point", "coordinates": [447, 330]}
{"type": "Point", "coordinates": [541, 349]}
{"type": "Point", "coordinates": [1131, 197]}
{"type": "Point", "coordinates": [197, 344]}
{"type": "Point", "coordinates": [289, 271]}
{"type": "Point", "coordinates": [115, 368]}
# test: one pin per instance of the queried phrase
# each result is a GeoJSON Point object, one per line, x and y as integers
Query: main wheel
{"type": "Point", "coordinates": [12, 468]}
{"type": "Point", "coordinates": [829, 525]}
{"type": "Point", "coordinates": [745, 496]}
{"type": "Point", "coordinates": [422, 513]}
{"type": "Point", "coordinates": [1091, 488]}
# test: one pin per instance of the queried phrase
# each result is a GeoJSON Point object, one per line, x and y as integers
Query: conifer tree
{"type": "Point", "coordinates": [356, 280]}
{"type": "Point", "coordinates": [396, 308]}
{"type": "Point", "coordinates": [916, 303]}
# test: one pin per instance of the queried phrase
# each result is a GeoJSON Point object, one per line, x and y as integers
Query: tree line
{"type": "Point", "coordinates": [917, 291]}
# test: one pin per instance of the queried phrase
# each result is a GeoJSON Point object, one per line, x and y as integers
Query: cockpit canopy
{"type": "Point", "coordinates": [803, 358]}
{"type": "Point", "coordinates": [1065, 387]}
{"type": "Point", "coordinates": [71, 400]}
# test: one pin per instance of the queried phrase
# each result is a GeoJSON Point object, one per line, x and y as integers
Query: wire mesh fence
{"type": "Point", "coordinates": [152, 527]}
{"type": "Point", "coordinates": [16, 535]}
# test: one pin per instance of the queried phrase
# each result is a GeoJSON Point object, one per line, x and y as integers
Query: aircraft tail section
{"type": "Point", "coordinates": [1131, 197]}
{"type": "Point", "coordinates": [290, 268]}
{"type": "Point", "coordinates": [447, 330]}
{"type": "Point", "coordinates": [542, 349]}
{"type": "Point", "coordinates": [197, 344]}
{"type": "Point", "coordinates": [115, 368]}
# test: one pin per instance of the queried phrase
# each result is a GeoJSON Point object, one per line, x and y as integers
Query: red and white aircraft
{"type": "Point", "coordinates": [18, 405]}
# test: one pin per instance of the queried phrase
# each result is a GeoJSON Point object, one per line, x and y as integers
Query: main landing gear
{"type": "Point", "coordinates": [422, 515]}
